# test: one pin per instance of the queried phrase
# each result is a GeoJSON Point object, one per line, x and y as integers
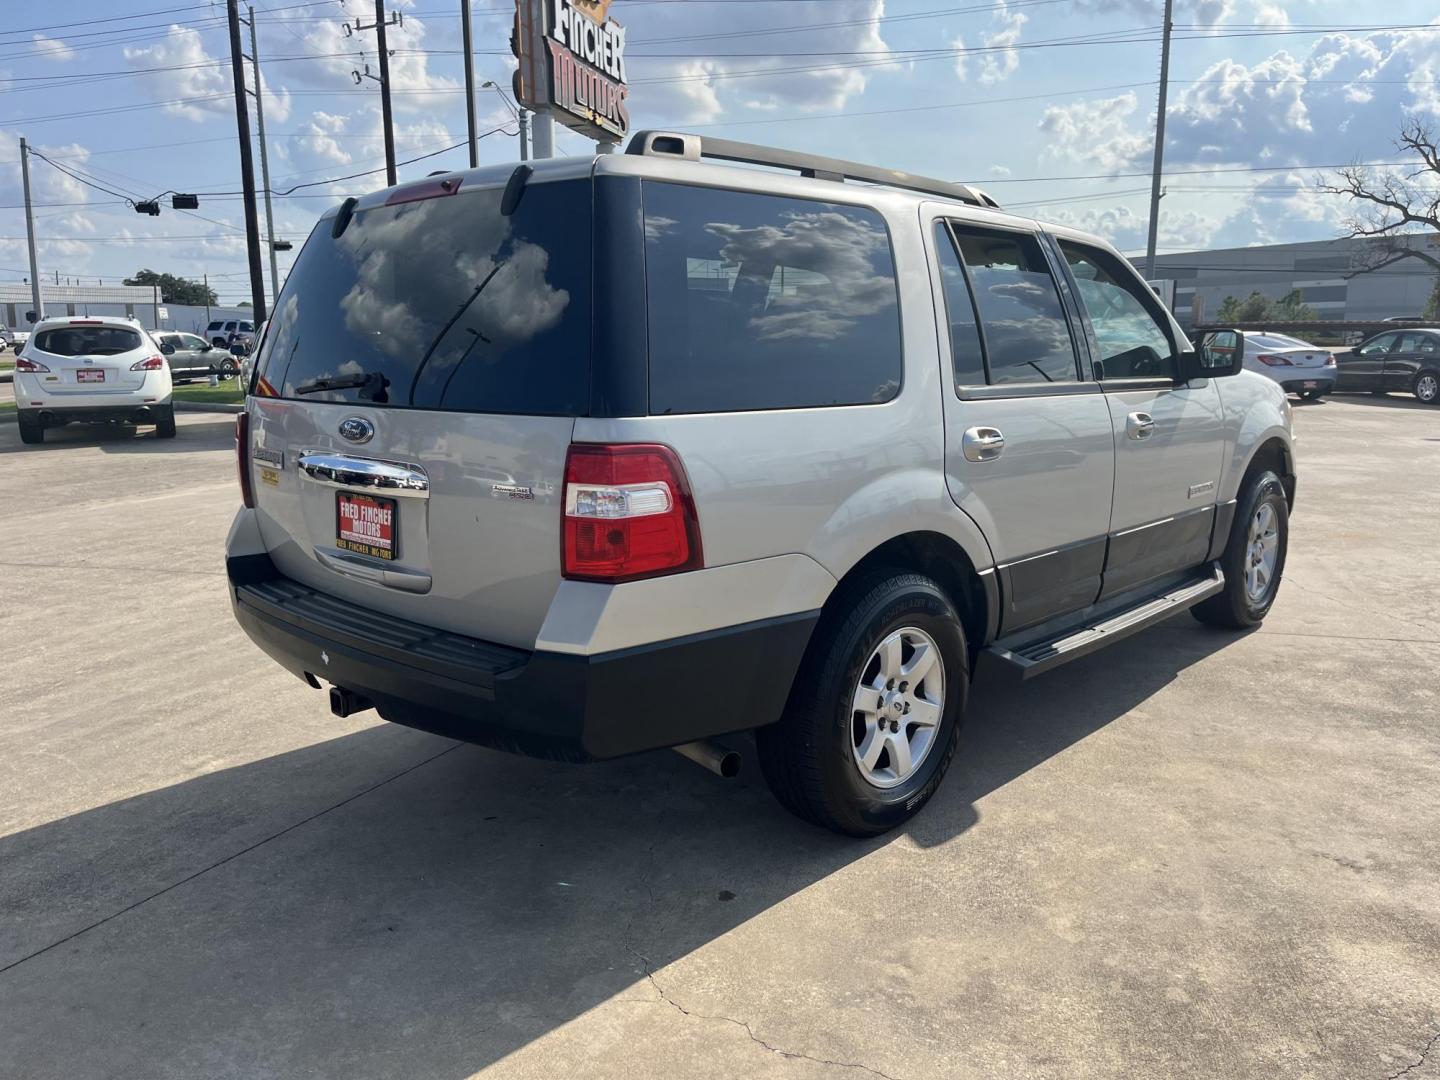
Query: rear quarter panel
{"type": "Point", "coordinates": [831, 483]}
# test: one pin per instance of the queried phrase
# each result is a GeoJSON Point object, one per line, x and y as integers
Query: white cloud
{"type": "Point", "coordinates": [1272, 15]}
{"type": "Point", "coordinates": [189, 71]}
{"type": "Point", "coordinates": [961, 59]}
{"type": "Point", "coordinates": [1208, 13]}
{"type": "Point", "coordinates": [1097, 132]}
{"type": "Point", "coordinates": [999, 66]}
{"type": "Point", "coordinates": [1128, 229]}
{"type": "Point", "coordinates": [52, 48]}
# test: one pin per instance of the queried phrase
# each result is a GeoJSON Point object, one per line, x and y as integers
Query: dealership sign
{"type": "Point", "coordinates": [572, 60]}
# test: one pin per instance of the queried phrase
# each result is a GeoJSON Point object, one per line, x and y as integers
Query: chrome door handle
{"type": "Point", "coordinates": [1139, 425]}
{"type": "Point", "coordinates": [982, 444]}
{"type": "Point", "coordinates": [392, 478]}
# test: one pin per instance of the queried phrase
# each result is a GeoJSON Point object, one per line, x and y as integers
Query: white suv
{"type": "Point", "coordinates": [91, 370]}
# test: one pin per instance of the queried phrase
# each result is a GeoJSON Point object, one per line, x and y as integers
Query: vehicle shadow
{"type": "Point", "coordinates": [214, 432]}
{"type": "Point", "coordinates": [388, 903]}
{"type": "Point", "coordinates": [1396, 400]}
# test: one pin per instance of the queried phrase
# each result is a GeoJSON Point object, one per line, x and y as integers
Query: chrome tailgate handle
{"type": "Point", "coordinates": [982, 444]}
{"type": "Point", "coordinates": [342, 471]}
{"type": "Point", "coordinates": [1139, 425]}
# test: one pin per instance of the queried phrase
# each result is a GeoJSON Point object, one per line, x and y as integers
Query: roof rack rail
{"type": "Point", "coordinates": [675, 144]}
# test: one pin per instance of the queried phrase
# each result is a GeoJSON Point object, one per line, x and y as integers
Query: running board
{"type": "Point", "coordinates": [1011, 660]}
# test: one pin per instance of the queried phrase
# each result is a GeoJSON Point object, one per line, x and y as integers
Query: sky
{"type": "Point", "coordinates": [1048, 104]}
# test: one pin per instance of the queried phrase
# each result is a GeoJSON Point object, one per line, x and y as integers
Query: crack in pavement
{"type": "Point", "coordinates": [230, 858]}
{"type": "Point", "coordinates": [664, 996]}
{"type": "Point", "coordinates": [1418, 1061]}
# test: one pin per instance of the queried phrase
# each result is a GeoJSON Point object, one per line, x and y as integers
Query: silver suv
{"type": "Point", "coordinates": [588, 457]}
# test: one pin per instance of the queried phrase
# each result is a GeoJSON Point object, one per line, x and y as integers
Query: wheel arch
{"type": "Point", "coordinates": [1279, 456]}
{"type": "Point", "coordinates": [974, 593]}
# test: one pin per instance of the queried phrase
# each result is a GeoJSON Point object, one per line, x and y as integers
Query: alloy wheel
{"type": "Point", "coordinates": [897, 706]}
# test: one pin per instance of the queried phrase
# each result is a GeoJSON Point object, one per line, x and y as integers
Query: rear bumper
{"type": "Point", "coordinates": [1295, 384]}
{"type": "Point", "coordinates": [53, 415]}
{"type": "Point", "coordinates": [544, 704]}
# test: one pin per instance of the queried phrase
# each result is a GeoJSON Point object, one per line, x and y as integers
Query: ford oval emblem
{"type": "Point", "coordinates": [357, 429]}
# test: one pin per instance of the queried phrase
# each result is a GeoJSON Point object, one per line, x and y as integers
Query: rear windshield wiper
{"type": "Point", "coordinates": [371, 385]}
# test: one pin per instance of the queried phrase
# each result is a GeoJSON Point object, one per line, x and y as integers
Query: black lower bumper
{"type": "Point", "coordinates": [58, 416]}
{"type": "Point", "coordinates": [544, 704]}
{"type": "Point", "coordinates": [1297, 386]}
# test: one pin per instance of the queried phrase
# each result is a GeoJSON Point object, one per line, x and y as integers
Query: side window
{"type": "Point", "coordinates": [966, 354]}
{"type": "Point", "coordinates": [1132, 338]}
{"type": "Point", "coordinates": [1027, 339]}
{"type": "Point", "coordinates": [1429, 343]}
{"type": "Point", "coordinates": [765, 302]}
{"type": "Point", "coordinates": [1376, 346]}
{"type": "Point", "coordinates": [1412, 343]}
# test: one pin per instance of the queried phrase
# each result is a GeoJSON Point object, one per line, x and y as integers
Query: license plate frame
{"type": "Point", "coordinates": [367, 525]}
{"type": "Point", "coordinates": [1310, 384]}
{"type": "Point", "coordinates": [90, 375]}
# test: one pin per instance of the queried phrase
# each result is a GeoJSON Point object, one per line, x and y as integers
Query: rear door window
{"type": "Point", "coordinates": [967, 354]}
{"type": "Point", "coordinates": [443, 303]}
{"type": "Point", "coordinates": [87, 341]}
{"type": "Point", "coordinates": [759, 301]}
{"type": "Point", "coordinates": [1027, 338]}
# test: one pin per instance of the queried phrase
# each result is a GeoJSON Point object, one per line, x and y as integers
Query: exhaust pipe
{"type": "Point", "coordinates": [720, 760]}
{"type": "Point", "coordinates": [345, 703]}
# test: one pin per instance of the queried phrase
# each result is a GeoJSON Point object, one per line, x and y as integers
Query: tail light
{"type": "Point", "coordinates": [1270, 360]}
{"type": "Point", "coordinates": [155, 363]}
{"type": "Point", "coordinates": [628, 513]}
{"type": "Point", "coordinates": [242, 458]}
{"type": "Point", "coordinates": [21, 364]}
{"type": "Point", "coordinates": [1329, 359]}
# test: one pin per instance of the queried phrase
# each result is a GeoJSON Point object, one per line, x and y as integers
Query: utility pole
{"type": "Point", "coordinates": [247, 165]}
{"type": "Point", "coordinates": [207, 301]}
{"type": "Point", "coordinates": [1159, 142]}
{"type": "Point", "coordinates": [469, 82]}
{"type": "Point", "coordinates": [264, 157]}
{"type": "Point", "coordinates": [523, 119]}
{"type": "Point", "coordinates": [383, 79]}
{"type": "Point", "coordinates": [385, 93]}
{"type": "Point", "coordinates": [542, 134]}
{"type": "Point", "coordinates": [30, 233]}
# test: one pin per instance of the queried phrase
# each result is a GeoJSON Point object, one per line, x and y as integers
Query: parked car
{"type": "Point", "coordinates": [192, 357]}
{"type": "Point", "coordinates": [1299, 367]}
{"type": "Point", "coordinates": [599, 456]}
{"type": "Point", "coordinates": [12, 339]}
{"type": "Point", "coordinates": [99, 369]}
{"type": "Point", "coordinates": [1394, 360]}
{"type": "Point", "coordinates": [221, 332]}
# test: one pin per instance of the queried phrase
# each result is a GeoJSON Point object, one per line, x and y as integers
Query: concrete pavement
{"type": "Point", "coordinates": [1195, 854]}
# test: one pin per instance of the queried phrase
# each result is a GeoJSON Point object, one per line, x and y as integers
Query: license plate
{"type": "Point", "coordinates": [1311, 384]}
{"type": "Point", "coordinates": [366, 525]}
{"type": "Point", "coordinates": [93, 374]}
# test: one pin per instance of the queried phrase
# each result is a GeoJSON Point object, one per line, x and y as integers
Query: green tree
{"type": "Point", "coordinates": [1257, 307]}
{"type": "Point", "coordinates": [176, 290]}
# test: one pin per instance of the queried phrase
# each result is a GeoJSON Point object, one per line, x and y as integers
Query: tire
{"type": "Point", "coordinates": [1238, 607]}
{"type": "Point", "coordinates": [1426, 387]}
{"type": "Point", "coordinates": [1314, 395]}
{"type": "Point", "coordinates": [165, 423]}
{"type": "Point", "coordinates": [810, 759]}
{"type": "Point", "coordinates": [32, 434]}
{"type": "Point", "coordinates": [228, 368]}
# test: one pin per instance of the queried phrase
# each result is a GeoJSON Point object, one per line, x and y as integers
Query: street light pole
{"type": "Point", "coordinates": [385, 116]}
{"type": "Point", "coordinates": [247, 165]}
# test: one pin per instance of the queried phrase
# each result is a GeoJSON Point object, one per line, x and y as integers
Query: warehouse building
{"type": "Point", "coordinates": [141, 302]}
{"type": "Point", "coordinates": [1325, 271]}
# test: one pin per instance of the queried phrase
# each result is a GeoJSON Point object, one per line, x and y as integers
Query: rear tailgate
{"type": "Point", "coordinates": [86, 358]}
{"type": "Point", "coordinates": [415, 398]}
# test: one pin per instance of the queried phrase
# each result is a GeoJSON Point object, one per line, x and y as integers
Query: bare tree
{"type": "Point", "coordinates": [1394, 207]}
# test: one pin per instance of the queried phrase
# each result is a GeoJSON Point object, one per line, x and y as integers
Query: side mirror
{"type": "Point", "coordinates": [167, 349]}
{"type": "Point", "coordinates": [1219, 354]}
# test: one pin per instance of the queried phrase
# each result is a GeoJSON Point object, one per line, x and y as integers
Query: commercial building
{"type": "Point", "coordinates": [1325, 271]}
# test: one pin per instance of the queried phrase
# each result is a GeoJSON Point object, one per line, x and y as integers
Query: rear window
{"type": "Point", "coordinates": [764, 302]}
{"type": "Point", "coordinates": [87, 340]}
{"type": "Point", "coordinates": [443, 304]}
